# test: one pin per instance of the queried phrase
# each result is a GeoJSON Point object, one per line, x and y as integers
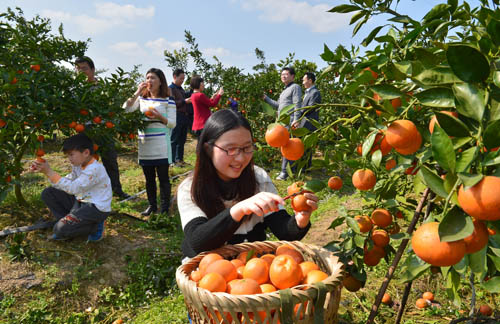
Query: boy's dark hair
{"type": "Point", "coordinates": [311, 76]}
{"type": "Point", "coordinates": [290, 70]}
{"type": "Point", "coordinates": [85, 59]}
{"type": "Point", "coordinates": [178, 72]}
{"type": "Point", "coordinates": [196, 82]}
{"type": "Point", "coordinates": [78, 142]}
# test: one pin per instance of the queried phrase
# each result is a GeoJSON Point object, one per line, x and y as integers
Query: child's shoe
{"type": "Point", "coordinates": [97, 235]}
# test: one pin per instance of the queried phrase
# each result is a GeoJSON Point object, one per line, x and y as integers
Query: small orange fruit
{"type": "Point", "coordinates": [381, 217]}
{"type": "Point", "coordinates": [208, 259]}
{"type": "Point", "coordinates": [293, 149]}
{"type": "Point", "coordinates": [428, 295]}
{"type": "Point", "coordinates": [267, 288]}
{"type": "Point", "coordinates": [213, 282]}
{"type": "Point", "coordinates": [390, 164]}
{"type": "Point", "coordinates": [109, 124]}
{"type": "Point", "coordinates": [79, 128]}
{"type": "Point", "coordinates": [364, 179]}
{"type": "Point", "coordinates": [285, 272]}
{"type": "Point", "coordinates": [257, 269]}
{"type": "Point", "coordinates": [196, 275]}
{"type": "Point", "coordinates": [308, 266]}
{"type": "Point", "coordinates": [380, 237]}
{"type": "Point", "coordinates": [223, 267]}
{"type": "Point", "coordinates": [291, 251]}
{"type": "Point", "coordinates": [40, 152]}
{"type": "Point", "coordinates": [386, 299]}
{"type": "Point", "coordinates": [314, 276]}
{"type": "Point", "coordinates": [299, 203]}
{"type": "Point", "coordinates": [352, 284]}
{"type": "Point", "coordinates": [277, 135]}
{"type": "Point", "coordinates": [486, 310]}
{"type": "Point", "coordinates": [364, 223]}
{"type": "Point", "coordinates": [422, 303]}
{"type": "Point", "coordinates": [97, 119]}
{"type": "Point", "coordinates": [335, 183]}
{"type": "Point", "coordinates": [35, 67]}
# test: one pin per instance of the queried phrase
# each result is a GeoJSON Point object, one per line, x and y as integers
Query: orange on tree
{"type": "Point", "coordinates": [374, 74]}
{"type": "Point", "coordinates": [404, 136]}
{"type": "Point", "coordinates": [352, 284]}
{"type": "Point", "coordinates": [399, 214]}
{"type": "Point", "coordinates": [285, 272]}
{"type": "Point", "coordinates": [2, 123]}
{"type": "Point", "coordinates": [208, 259]}
{"type": "Point", "coordinates": [72, 124]}
{"type": "Point", "coordinates": [293, 150]}
{"type": "Point", "coordinates": [390, 164]}
{"type": "Point", "coordinates": [84, 112]}
{"type": "Point", "coordinates": [277, 135]}
{"type": "Point", "coordinates": [224, 268]}
{"type": "Point", "coordinates": [482, 200]}
{"type": "Point", "coordinates": [40, 138]}
{"type": "Point", "coordinates": [364, 179]}
{"type": "Point", "coordinates": [428, 247]}
{"type": "Point", "coordinates": [380, 237]}
{"type": "Point", "coordinates": [422, 303]}
{"type": "Point", "coordinates": [96, 147]}
{"type": "Point", "coordinates": [478, 239]}
{"type": "Point", "coordinates": [428, 295]}
{"type": "Point", "coordinates": [109, 124]}
{"type": "Point", "coordinates": [434, 119]}
{"type": "Point", "coordinates": [291, 251]}
{"type": "Point", "coordinates": [257, 269]}
{"type": "Point", "coordinates": [396, 103]}
{"type": "Point", "coordinates": [335, 183]}
{"type": "Point", "coordinates": [39, 152]}
{"type": "Point", "coordinates": [213, 282]}
{"type": "Point", "coordinates": [79, 128]}
{"type": "Point", "coordinates": [97, 119]}
{"type": "Point", "coordinates": [35, 67]}
{"type": "Point", "coordinates": [299, 203]}
{"type": "Point", "coordinates": [381, 217]}
{"type": "Point", "coordinates": [364, 223]}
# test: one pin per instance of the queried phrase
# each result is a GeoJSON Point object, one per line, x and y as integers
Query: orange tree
{"type": "Point", "coordinates": [41, 97]}
{"type": "Point", "coordinates": [447, 62]}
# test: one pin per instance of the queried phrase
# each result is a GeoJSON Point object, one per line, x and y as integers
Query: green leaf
{"type": "Point", "coordinates": [433, 181]}
{"type": "Point", "coordinates": [437, 12]}
{"type": "Point", "coordinates": [477, 261]}
{"type": "Point", "coordinates": [357, 16]}
{"type": "Point", "coordinates": [493, 29]}
{"type": "Point", "coordinates": [386, 91]}
{"type": "Point", "coordinates": [372, 35]}
{"type": "Point", "coordinates": [327, 55]}
{"type": "Point", "coordinates": [351, 222]}
{"type": "Point", "coordinates": [359, 241]}
{"type": "Point", "coordinates": [442, 149]}
{"type": "Point", "coordinates": [344, 8]}
{"type": "Point", "coordinates": [455, 226]}
{"type": "Point", "coordinates": [359, 25]}
{"type": "Point", "coordinates": [438, 97]}
{"type": "Point", "coordinates": [336, 222]}
{"type": "Point", "coordinates": [413, 267]}
{"type": "Point", "coordinates": [460, 58]}
{"type": "Point", "coordinates": [491, 159]}
{"type": "Point", "coordinates": [286, 110]}
{"type": "Point", "coordinates": [314, 185]}
{"type": "Point", "coordinates": [492, 285]}
{"type": "Point", "coordinates": [299, 132]}
{"type": "Point", "coordinates": [268, 109]}
{"type": "Point", "coordinates": [377, 158]}
{"type": "Point", "coordinates": [469, 180]}
{"type": "Point", "coordinates": [452, 125]}
{"type": "Point", "coordinates": [436, 76]}
{"type": "Point", "coordinates": [452, 285]}
{"type": "Point", "coordinates": [367, 145]}
{"type": "Point", "coordinates": [404, 67]}
{"type": "Point", "coordinates": [465, 159]}
{"type": "Point", "coordinates": [470, 100]}
{"type": "Point", "coordinates": [491, 135]}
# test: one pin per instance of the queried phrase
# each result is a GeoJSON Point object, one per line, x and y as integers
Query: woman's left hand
{"type": "Point", "coordinates": [155, 114]}
{"type": "Point", "coordinates": [302, 217]}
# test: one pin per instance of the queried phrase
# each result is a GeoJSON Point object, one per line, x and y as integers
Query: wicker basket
{"type": "Point", "coordinates": [204, 306]}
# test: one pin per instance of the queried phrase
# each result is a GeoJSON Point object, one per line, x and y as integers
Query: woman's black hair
{"type": "Point", "coordinates": [206, 189]}
{"type": "Point", "coordinates": [164, 91]}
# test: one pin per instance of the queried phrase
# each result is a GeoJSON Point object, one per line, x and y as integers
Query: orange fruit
{"type": "Point", "coordinates": [385, 148]}
{"type": "Point", "coordinates": [84, 112]}
{"type": "Point", "coordinates": [239, 271]}
{"type": "Point", "coordinates": [428, 295]}
{"type": "Point", "coordinates": [386, 299]}
{"type": "Point", "coordinates": [478, 239]}
{"type": "Point", "coordinates": [482, 200]}
{"type": "Point", "coordinates": [374, 74]}
{"type": "Point", "coordinates": [390, 164]}
{"type": "Point", "coordinates": [359, 149]}
{"type": "Point", "coordinates": [335, 183]}
{"type": "Point", "coordinates": [380, 237]}
{"type": "Point", "coordinates": [224, 268]}
{"type": "Point", "coordinates": [8, 179]}
{"type": "Point", "coordinates": [371, 259]}
{"type": "Point", "coordinates": [2, 123]}
{"type": "Point", "coordinates": [196, 275]}
{"type": "Point", "coordinates": [295, 187]}
{"type": "Point", "coordinates": [72, 124]}
{"type": "Point", "coordinates": [399, 214]}
{"type": "Point", "coordinates": [381, 217]}
{"type": "Point", "coordinates": [268, 258]}
{"type": "Point", "coordinates": [39, 152]}
{"type": "Point", "coordinates": [422, 303]}
{"type": "Point", "coordinates": [350, 283]}
{"type": "Point", "coordinates": [118, 321]}
{"type": "Point", "coordinates": [314, 276]}
{"type": "Point", "coordinates": [267, 288]}
{"type": "Point", "coordinates": [40, 138]}
{"type": "Point", "coordinates": [35, 67]}
{"type": "Point", "coordinates": [41, 160]}
{"type": "Point", "coordinates": [277, 135]}
{"type": "Point", "coordinates": [307, 266]}
{"type": "Point", "coordinates": [285, 272]}
{"type": "Point", "coordinates": [109, 124]}
{"type": "Point", "coordinates": [404, 136]}
{"type": "Point", "coordinates": [364, 179]}
{"type": "Point", "coordinates": [291, 251]}
{"type": "Point", "coordinates": [237, 263]}
{"type": "Point", "coordinates": [428, 247]}
{"type": "Point", "coordinates": [148, 113]}
{"type": "Point", "coordinates": [293, 150]}
{"type": "Point", "coordinates": [299, 203]}
{"type": "Point", "coordinates": [79, 128]}
{"type": "Point", "coordinates": [213, 282]}
{"type": "Point", "coordinates": [491, 231]}
{"type": "Point", "coordinates": [97, 119]}
{"type": "Point", "coordinates": [243, 256]}
{"type": "Point", "coordinates": [243, 287]}
{"type": "Point", "coordinates": [257, 269]}
{"type": "Point", "coordinates": [396, 103]}
{"type": "Point", "coordinates": [434, 119]}
{"type": "Point", "coordinates": [364, 223]}
{"type": "Point", "coordinates": [486, 310]}
{"type": "Point", "coordinates": [208, 259]}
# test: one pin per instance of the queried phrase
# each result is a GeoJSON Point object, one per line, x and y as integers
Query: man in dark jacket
{"type": "Point", "coordinates": [179, 133]}
{"type": "Point", "coordinates": [312, 97]}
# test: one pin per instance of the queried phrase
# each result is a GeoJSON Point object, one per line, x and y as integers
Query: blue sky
{"type": "Point", "coordinates": [124, 33]}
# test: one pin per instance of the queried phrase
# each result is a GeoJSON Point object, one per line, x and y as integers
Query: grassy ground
{"type": "Point", "coordinates": [130, 274]}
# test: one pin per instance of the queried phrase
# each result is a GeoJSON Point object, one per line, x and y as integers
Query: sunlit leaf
{"type": "Point", "coordinates": [460, 58]}
{"type": "Point", "coordinates": [492, 285]}
{"type": "Point", "coordinates": [455, 226]}
{"type": "Point", "coordinates": [442, 149]}
{"type": "Point", "coordinates": [433, 181]}
{"type": "Point", "coordinates": [452, 125]}
{"type": "Point", "coordinates": [438, 97]}
{"type": "Point", "coordinates": [470, 99]}
{"type": "Point", "coordinates": [437, 76]}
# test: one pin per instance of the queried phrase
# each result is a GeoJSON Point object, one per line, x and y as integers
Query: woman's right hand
{"type": "Point", "coordinates": [141, 87]}
{"type": "Point", "coordinates": [259, 204]}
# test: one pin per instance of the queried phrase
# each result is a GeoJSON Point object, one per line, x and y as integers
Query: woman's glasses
{"type": "Point", "coordinates": [233, 151]}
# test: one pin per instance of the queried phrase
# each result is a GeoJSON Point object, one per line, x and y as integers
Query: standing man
{"type": "Point", "coordinates": [109, 157]}
{"type": "Point", "coordinates": [179, 133]}
{"type": "Point", "coordinates": [292, 94]}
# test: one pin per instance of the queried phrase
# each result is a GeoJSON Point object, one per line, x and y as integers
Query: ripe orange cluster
{"type": "Point", "coordinates": [250, 274]}
{"type": "Point", "coordinates": [278, 136]}
{"type": "Point", "coordinates": [298, 200]}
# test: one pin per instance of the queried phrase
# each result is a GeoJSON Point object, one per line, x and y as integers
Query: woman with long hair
{"type": "Point", "coordinates": [228, 199]}
{"type": "Point", "coordinates": [153, 98]}
{"type": "Point", "coordinates": [201, 103]}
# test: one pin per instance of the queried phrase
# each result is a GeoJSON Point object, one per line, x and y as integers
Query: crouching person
{"type": "Point", "coordinates": [81, 200]}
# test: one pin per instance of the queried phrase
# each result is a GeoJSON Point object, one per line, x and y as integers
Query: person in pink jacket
{"type": "Point", "coordinates": [201, 103]}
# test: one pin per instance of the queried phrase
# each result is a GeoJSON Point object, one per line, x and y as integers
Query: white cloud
{"type": "Point", "coordinates": [159, 45]}
{"type": "Point", "coordinates": [216, 51]}
{"type": "Point", "coordinates": [108, 15]}
{"type": "Point", "coordinates": [128, 48]}
{"type": "Point", "coordinates": [314, 17]}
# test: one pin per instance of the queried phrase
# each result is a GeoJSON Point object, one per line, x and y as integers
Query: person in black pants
{"type": "Point", "coordinates": [228, 199]}
{"type": "Point", "coordinates": [179, 133]}
{"type": "Point", "coordinates": [109, 156]}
